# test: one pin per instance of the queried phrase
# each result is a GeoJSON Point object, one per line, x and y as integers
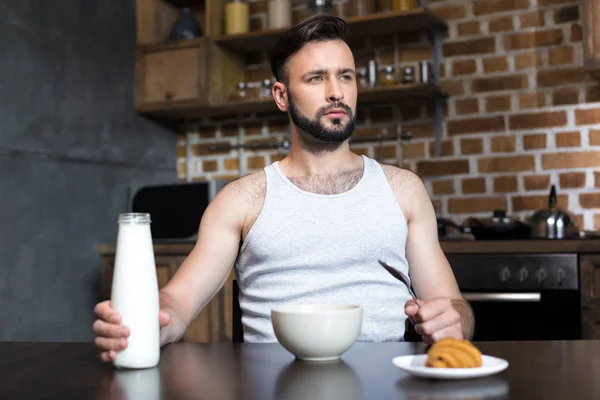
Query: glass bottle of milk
{"type": "Point", "coordinates": [135, 292]}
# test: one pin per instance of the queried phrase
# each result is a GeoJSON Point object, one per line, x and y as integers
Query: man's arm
{"type": "Point", "coordinates": [207, 267]}
{"type": "Point", "coordinates": [445, 313]}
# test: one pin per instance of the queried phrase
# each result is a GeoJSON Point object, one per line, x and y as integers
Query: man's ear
{"type": "Point", "coordinates": [280, 96]}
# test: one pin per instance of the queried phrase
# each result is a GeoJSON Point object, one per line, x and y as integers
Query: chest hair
{"type": "Point", "coordinates": [329, 184]}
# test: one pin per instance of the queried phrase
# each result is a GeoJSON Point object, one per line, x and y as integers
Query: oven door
{"type": "Point", "coordinates": [524, 315]}
{"type": "Point", "coordinates": [543, 315]}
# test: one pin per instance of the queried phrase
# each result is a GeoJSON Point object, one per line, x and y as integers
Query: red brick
{"type": "Point", "coordinates": [473, 185]}
{"type": "Point", "coordinates": [210, 166]}
{"type": "Point", "coordinates": [466, 106]}
{"type": "Point", "coordinates": [506, 164]}
{"type": "Point", "coordinates": [538, 120]}
{"type": "Point", "coordinates": [561, 55]}
{"type": "Point", "coordinates": [232, 164]}
{"type": "Point", "coordinates": [420, 130]}
{"type": "Point", "coordinates": [256, 162]}
{"type": "Point", "coordinates": [597, 179]}
{"type": "Point", "coordinates": [576, 33]}
{"type": "Point", "coordinates": [592, 94]}
{"type": "Point", "coordinates": [505, 184]}
{"type": "Point", "coordinates": [446, 148]}
{"type": "Point", "coordinates": [587, 116]}
{"type": "Point", "coordinates": [566, 14]}
{"type": "Point", "coordinates": [501, 24]}
{"type": "Point", "coordinates": [497, 103]}
{"type": "Point", "coordinates": [565, 96]}
{"type": "Point", "coordinates": [503, 144]}
{"type": "Point", "coordinates": [531, 100]}
{"type": "Point", "coordinates": [533, 39]}
{"type": "Point", "coordinates": [471, 146]}
{"type": "Point", "coordinates": [453, 88]}
{"type": "Point", "coordinates": [464, 67]}
{"type": "Point", "coordinates": [438, 168]}
{"type": "Point", "coordinates": [536, 182]}
{"type": "Point", "coordinates": [572, 180]}
{"type": "Point", "coordinates": [532, 19]}
{"type": "Point", "coordinates": [589, 200]}
{"type": "Point", "coordinates": [413, 150]}
{"type": "Point", "coordinates": [528, 60]}
{"type": "Point", "coordinates": [451, 11]}
{"type": "Point", "coordinates": [597, 221]}
{"type": "Point", "coordinates": [470, 205]}
{"type": "Point", "coordinates": [535, 141]}
{"type": "Point", "coordinates": [414, 54]}
{"type": "Point", "coordinates": [495, 64]}
{"type": "Point", "coordinates": [594, 137]}
{"type": "Point", "coordinates": [563, 76]}
{"type": "Point", "coordinates": [442, 187]}
{"type": "Point", "coordinates": [568, 139]}
{"type": "Point", "coordinates": [500, 83]}
{"type": "Point", "coordinates": [471, 46]}
{"type": "Point", "coordinates": [525, 203]}
{"type": "Point", "coordinates": [554, 2]}
{"type": "Point", "coordinates": [584, 159]}
{"type": "Point", "coordinates": [469, 28]}
{"type": "Point", "coordinates": [476, 125]}
{"type": "Point", "coordinates": [203, 149]}
{"type": "Point", "coordinates": [494, 6]}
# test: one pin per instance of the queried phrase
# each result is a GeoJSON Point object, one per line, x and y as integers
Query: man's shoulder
{"type": "Point", "coordinates": [400, 178]}
{"type": "Point", "coordinates": [248, 188]}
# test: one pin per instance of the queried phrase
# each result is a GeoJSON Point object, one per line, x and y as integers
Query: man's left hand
{"type": "Point", "coordinates": [436, 319]}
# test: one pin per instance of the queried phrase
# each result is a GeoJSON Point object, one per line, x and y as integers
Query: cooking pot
{"type": "Point", "coordinates": [498, 227]}
{"type": "Point", "coordinates": [553, 223]}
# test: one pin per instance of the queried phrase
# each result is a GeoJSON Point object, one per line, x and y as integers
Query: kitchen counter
{"type": "Point", "coordinates": [449, 247]}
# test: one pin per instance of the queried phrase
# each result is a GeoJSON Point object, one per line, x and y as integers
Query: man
{"type": "Point", "coordinates": [314, 225]}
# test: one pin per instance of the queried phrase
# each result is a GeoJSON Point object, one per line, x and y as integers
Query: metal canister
{"type": "Point", "coordinates": [372, 73]}
{"type": "Point", "coordinates": [425, 71]}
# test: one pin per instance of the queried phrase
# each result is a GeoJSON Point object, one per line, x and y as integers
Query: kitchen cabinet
{"type": "Point", "coordinates": [212, 324]}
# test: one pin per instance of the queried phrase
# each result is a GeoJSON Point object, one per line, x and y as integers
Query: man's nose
{"type": "Point", "coordinates": [334, 91]}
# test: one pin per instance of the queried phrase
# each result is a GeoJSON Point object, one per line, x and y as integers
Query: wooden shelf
{"type": "Point", "coordinates": [186, 3]}
{"type": "Point", "coordinates": [373, 24]}
{"type": "Point", "coordinates": [192, 110]}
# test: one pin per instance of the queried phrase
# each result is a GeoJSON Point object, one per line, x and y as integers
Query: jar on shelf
{"type": "Point", "coordinates": [362, 77]}
{"type": "Point", "coordinates": [362, 7]}
{"type": "Point", "coordinates": [280, 14]}
{"type": "Point", "coordinates": [389, 76]}
{"type": "Point", "coordinates": [240, 92]}
{"type": "Point", "coordinates": [404, 5]}
{"type": "Point", "coordinates": [384, 5]}
{"type": "Point", "coordinates": [320, 6]}
{"type": "Point", "coordinates": [265, 89]}
{"type": "Point", "coordinates": [237, 17]}
{"type": "Point", "coordinates": [408, 75]}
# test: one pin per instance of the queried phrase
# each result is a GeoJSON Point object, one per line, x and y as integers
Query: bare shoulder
{"type": "Point", "coordinates": [408, 187]}
{"type": "Point", "coordinates": [402, 179]}
{"type": "Point", "coordinates": [248, 189]}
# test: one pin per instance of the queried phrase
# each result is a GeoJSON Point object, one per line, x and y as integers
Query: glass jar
{"type": "Point", "coordinates": [237, 17]}
{"type": "Point", "coordinates": [389, 76]}
{"type": "Point", "coordinates": [240, 92]}
{"type": "Point", "coordinates": [265, 90]}
{"type": "Point", "coordinates": [362, 7]}
{"type": "Point", "coordinates": [280, 14]}
{"type": "Point", "coordinates": [320, 6]}
{"type": "Point", "coordinates": [361, 76]}
{"type": "Point", "coordinates": [403, 5]}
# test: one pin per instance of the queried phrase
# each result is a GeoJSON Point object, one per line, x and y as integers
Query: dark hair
{"type": "Point", "coordinates": [319, 27]}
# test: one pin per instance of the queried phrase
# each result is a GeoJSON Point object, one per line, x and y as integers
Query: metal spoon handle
{"type": "Point", "coordinates": [402, 278]}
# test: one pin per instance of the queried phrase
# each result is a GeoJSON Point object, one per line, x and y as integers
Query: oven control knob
{"type": "Point", "coordinates": [504, 274]}
{"type": "Point", "coordinates": [560, 275]}
{"type": "Point", "coordinates": [523, 274]}
{"type": "Point", "coordinates": [540, 275]}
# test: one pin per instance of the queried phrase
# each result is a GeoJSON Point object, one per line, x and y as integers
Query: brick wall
{"type": "Point", "coordinates": [522, 113]}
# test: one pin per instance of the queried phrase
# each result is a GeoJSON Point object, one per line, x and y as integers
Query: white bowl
{"type": "Point", "coordinates": [317, 332]}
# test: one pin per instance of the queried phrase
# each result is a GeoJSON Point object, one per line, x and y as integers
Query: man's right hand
{"type": "Point", "coordinates": [111, 336]}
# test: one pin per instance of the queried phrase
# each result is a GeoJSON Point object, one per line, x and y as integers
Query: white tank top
{"type": "Point", "coordinates": [315, 248]}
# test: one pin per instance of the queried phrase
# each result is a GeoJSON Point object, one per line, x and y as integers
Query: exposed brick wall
{"type": "Point", "coordinates": [522, 113]}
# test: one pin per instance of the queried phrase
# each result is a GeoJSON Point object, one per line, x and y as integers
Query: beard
{"type": "Point", "coordinates": [316, 130]}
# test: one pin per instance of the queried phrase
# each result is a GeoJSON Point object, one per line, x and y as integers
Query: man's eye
{"type": "Point", "coordinates": [346, 77]}
{"type": "Point", "coordinates": [314, 79]}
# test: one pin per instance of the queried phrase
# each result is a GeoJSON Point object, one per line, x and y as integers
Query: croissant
{"type": "Point", "coordinates": [453, 353]}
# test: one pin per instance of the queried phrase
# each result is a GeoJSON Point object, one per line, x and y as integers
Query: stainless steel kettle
{"type": "Point", "coordinates": [553, 223]}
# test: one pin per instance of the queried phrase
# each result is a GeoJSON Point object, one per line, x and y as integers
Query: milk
{"type": "Point", "coordinates": [135, 292]}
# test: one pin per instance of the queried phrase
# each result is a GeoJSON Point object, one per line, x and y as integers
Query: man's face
{"type": "Point", "coordinates": [322, 91]}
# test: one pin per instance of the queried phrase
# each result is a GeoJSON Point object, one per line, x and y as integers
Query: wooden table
{"type": "Point", "coordinates": [544, 370]}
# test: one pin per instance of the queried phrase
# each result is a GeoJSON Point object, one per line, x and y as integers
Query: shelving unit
{"type": "Point", "coordinates": [187, 80]}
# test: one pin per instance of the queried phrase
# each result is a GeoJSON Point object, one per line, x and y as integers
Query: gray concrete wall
{"type": "Point", "coordinates": [70, 143]}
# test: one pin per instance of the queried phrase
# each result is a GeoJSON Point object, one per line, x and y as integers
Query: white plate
{"type": "Point", "coordinates": [415, 365]}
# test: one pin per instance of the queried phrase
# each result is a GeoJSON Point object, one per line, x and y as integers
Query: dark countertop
{"type": "Point", "coordinates": [449, 247]}
{"type": "Point", "coordinates": [548, 370]}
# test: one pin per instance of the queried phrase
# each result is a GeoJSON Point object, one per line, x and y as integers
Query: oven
{"type": "Point", "coordinates": [520, 296]}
